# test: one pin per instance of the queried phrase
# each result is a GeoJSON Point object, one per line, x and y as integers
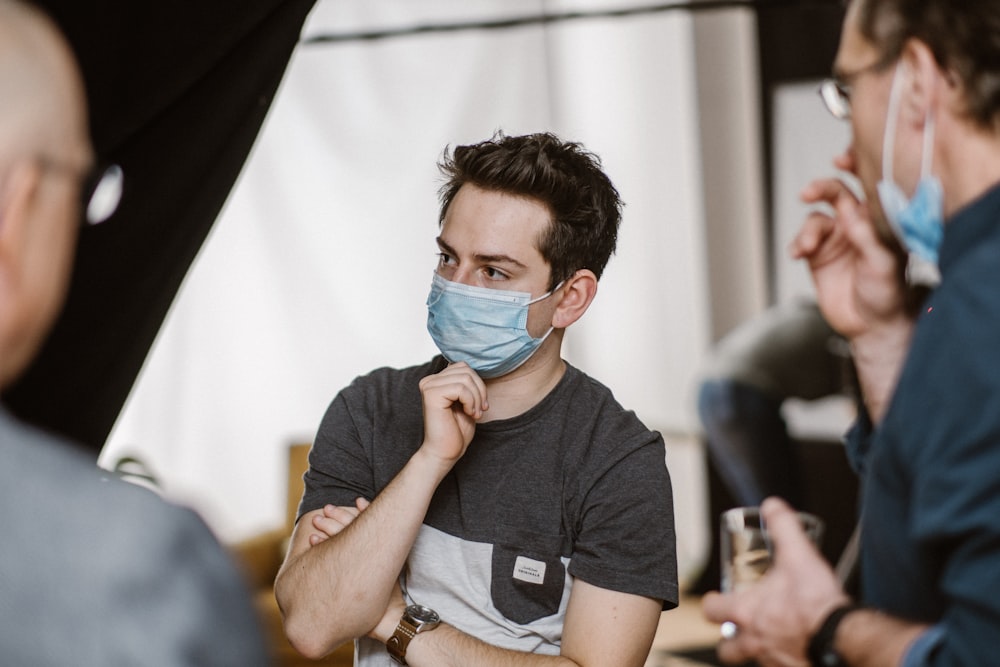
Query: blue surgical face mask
{"type": "Point", "coordinates": [485, 328]}
{"type": "Point", "coordinates": [918, 222]}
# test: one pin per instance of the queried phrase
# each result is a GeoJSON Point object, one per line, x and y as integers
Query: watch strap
{"type": "Point", "coordinates": [415, 619]}
{"type": "Point", "coordinates": [822, 652]}
{"type": "Point", "coordinates": [400, 640]}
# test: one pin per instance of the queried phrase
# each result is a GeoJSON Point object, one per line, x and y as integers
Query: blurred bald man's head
{"type": "Point", "coordinates": [45, 153]}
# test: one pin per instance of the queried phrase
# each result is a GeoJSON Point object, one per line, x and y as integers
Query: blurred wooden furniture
{"type": "Point", "coordinates": [261, 556]}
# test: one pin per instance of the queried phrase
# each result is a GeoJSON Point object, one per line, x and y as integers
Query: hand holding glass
{"type": "Point", "coordinates": [747, 551]}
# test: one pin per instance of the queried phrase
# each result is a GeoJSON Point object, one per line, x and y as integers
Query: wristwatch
{"type": "Point", "coordinates": [821, 651]}
{"type": "Point", "coordinates": [415, 619]}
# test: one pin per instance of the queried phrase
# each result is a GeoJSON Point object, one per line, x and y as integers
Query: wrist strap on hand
{"type": "Point", "coordinates": [822, 652]}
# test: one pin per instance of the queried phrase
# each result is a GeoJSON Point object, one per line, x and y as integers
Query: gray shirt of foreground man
{"type": "Point", "coordinates": [497, 487]}
{"type": "Point", "coordinates": [94, 571]}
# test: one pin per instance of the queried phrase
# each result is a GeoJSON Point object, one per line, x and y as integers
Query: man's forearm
{"type": "Point", "coordinates": [446, 646]}
{"type": "Point", "coordinates": [339, 589]}
{"type": "Point", "coordinates": [868, 638]}
{"type": "Point", "coordinates": [593, 636]}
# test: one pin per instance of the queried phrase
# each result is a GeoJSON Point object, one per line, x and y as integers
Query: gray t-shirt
{"type": "Point", "coordinates": [97, 571]}
{"type": "Point", "coordinates": [576, 487]}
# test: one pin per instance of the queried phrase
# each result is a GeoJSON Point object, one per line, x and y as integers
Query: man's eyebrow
{"type": "Point", "coordinates": [444, 246]}
{"type": "Point", "coordinates": [481, 257]}
{"type": "Point", "coordinates": [499, 259]}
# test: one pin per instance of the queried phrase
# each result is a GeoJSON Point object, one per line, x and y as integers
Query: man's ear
{"type": "Point", "coordinates": [578, 292]}
{"type": "Point", "coordinates": [923, 79]}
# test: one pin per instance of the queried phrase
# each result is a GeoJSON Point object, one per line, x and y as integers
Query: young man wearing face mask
{"type": "Point", "coordinates": [495, 506]}
{"type": "Point", "coordinates": [920, 82]}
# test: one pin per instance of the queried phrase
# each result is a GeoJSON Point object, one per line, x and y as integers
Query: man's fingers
{"type": "Point", "coordinates": [330, 527]}
{"type": "Point", "coordinates": [828, 190]}
{"type": "Point", "coordinates": [473, 381]}
{"type": "Point", "coordinates": [734, 646]}
{"type": "Point", "coordinates": [821, 223]}
{"type": "Point", "coordinates": [336, 517]}
{"type": "Point", "coordinates": [456, 395]}
{"type": "Point", "coordinates": [343, 513]}
{"type": "Point", "coordinates": [809, 239]}
{"type": "Point", "coordinates": [784, 527]}
{"type": "Point", "coordinates": [458, 384]}
{"type": "Point", "coordinates": [472, 401]}
{"type": "Point", "coordinates": [732, 651]}
{"type": "Point", "coordinates": [857, 224]}
{"type": "Point", "coordinates": [715, 607]}
{"type": "Point", "coordinates": [774, 505]}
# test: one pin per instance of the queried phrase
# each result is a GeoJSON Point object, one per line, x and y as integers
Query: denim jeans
{"type": "Point", "coordinates": [748, 442]}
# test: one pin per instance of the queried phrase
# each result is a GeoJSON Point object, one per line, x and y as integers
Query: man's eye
{"type": "Point", "coordinates": [494, 274]}
{"type": "Point", "coordinates": [444, 259]}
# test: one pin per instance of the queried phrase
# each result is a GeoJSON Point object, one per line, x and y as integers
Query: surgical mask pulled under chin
{"type": "Point", "coordinates": [485, 328]}
{"type": "Point", "coordinates": [918, 222]}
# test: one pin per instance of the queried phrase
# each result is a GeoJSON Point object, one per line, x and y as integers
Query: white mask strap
{"type": "Point", "coordinates": [928, 156]}
{"type": "Point", "coordinates": [891, 114]}
{"type": "Point", "coordinates": [888, 141]}
{"type": "Point", "coordinates": [547, 294]}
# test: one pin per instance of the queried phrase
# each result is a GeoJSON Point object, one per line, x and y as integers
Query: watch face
{"type": "Point", "coordinates": [422, 614]}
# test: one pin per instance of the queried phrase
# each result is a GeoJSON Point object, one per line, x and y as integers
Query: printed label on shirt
{"type": "Point", "coordinates": [529, 570]}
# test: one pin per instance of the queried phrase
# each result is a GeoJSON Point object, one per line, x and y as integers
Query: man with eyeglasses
{"type": "Point", "coordinates": [919, 81]}
{"type": "Point", "coordinates": [93, 570]}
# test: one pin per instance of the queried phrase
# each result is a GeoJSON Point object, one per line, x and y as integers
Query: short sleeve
{"type": "Point", "coordinates": [627, 541]}
{"type": "Point", "coordinates": [340, 469]}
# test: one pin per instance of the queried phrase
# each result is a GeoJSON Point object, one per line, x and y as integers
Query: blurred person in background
{"type": "Point", "coordinates": [786, 352]}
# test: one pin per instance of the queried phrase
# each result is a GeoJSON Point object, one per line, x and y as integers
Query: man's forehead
{"type": "Point", "coordinates": [854, 51]}
{"type": "Point", "coordinates": [486, 248]}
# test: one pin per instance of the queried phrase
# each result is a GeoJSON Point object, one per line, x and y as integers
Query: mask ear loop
{"type": "Point", "coordinates": [891, 116]}
{"type": "Point", "coordinates": [542, 297]}
{"type": "Point", "coordinates": [927, 158]}
{"type": "Point", "coordinates": [888, 140]}
{"type": "Point", "coordinates": [547, 294]}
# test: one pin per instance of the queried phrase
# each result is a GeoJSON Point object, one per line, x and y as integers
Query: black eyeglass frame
{"type": "Point", "coordinates": [101, 192]}
{"type": "Point", "coordinates": [836, 91]}
{"type": "Point", "coordinates": [101, 188]}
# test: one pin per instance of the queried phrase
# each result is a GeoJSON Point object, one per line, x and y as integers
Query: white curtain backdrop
{"type": "Point", "coordinates": [320, 264]}
{"type": "Point", "coordinates": [803, 150]}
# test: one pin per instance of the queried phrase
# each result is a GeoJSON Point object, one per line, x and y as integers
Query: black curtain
{"type": "Point", "coordinates": [797, 41]}
{"type": "Point", "coordinates": [177, 94]}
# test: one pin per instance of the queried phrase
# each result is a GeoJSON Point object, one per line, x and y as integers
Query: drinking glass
{"type": "Point", "coordinates": [746, 546]}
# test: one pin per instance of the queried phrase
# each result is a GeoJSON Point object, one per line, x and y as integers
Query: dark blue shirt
{"type": "Point", "coordinates": [931, 470]}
